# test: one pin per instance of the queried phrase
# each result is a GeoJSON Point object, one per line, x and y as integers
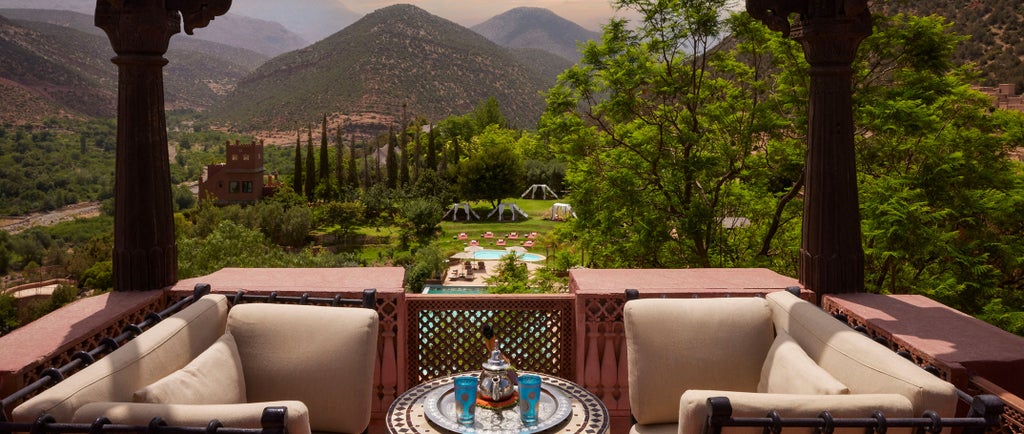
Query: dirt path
{"type": "Point", "coordinates": [14, 225]}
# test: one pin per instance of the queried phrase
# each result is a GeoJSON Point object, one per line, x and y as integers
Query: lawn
{"type": "Point", "coordinates": [475, 228]}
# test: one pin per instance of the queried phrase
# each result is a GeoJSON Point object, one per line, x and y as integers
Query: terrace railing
{"type": "Point", "coordinates": [578, 336]}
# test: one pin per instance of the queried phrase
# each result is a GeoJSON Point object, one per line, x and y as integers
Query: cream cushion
{"type": "Point", "coordinates": [322, 356]}
{"type": "Point", "coordinates": [165, 347]}
{"type": "Point", "coordinates": [693, 410]}
{"type": "Point", "coordinates": [787, 369]}
{"type": "Point", "coordinates": [230, 415]}
{"type": "Point", "coordinates": [861, 364]}
{"type": "Point", "coordinates": [213, 377]}
{"type": "Point", "coordinates": [680, 344]}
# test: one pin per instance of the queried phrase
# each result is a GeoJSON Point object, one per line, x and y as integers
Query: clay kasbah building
{"type": "Point", "coordinates": [240, 180]}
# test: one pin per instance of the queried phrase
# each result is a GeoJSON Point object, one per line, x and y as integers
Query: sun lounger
{"type": "Point", "coordinates": [528, 243]}
{"type": "Point", "coordinates": [501, 242]}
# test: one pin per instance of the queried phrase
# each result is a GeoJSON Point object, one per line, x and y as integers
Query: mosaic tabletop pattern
{"type": "Point", "coordinates": [589, 415]}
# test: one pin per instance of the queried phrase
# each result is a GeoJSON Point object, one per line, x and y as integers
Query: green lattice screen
{"type": "Point", "coordinates": [445, 335]}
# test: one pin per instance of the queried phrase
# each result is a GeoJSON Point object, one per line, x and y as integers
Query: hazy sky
{"type": "Point", "coordinates": [587, 13]}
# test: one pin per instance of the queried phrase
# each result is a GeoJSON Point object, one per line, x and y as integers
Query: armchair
{"type": "Point", "coordinates": [774, 353]}
{"type": "Point", "coordinates": [208, 362]}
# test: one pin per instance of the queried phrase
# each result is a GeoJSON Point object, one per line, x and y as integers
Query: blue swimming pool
{"type": "Point", "coordinates": [493, 255]}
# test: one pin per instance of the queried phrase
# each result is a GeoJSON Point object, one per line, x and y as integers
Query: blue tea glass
{"type": "Point", "coordinates": [465, 399]}
{"type": "Point", "coordinates": [529, 396]}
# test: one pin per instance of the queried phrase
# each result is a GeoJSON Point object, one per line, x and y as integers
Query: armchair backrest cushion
{"type": "Point", "coordinates": [860, 363]}
{"type": "Point", "coordinates": [160, 350]}
{"type": "Point", "coordinates": [322, 356]}
{"type": "Point", "coordinates": [788, 369]}
{"type": "Point", "coordinates": [213, 377]}
{"type": "Point", "coordinates": [674, 345]}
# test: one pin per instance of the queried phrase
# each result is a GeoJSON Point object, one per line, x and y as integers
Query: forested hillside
{"type": "Point", "coordinates": [995, 30]}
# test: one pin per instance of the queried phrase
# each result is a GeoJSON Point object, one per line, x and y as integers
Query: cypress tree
{"type": "Point", "coordinates": [416, 155]}
{"type": "Point", "coordinates": [403, 155]}
{"type": "Point", "coordinates": [339, 174]}
{"type": "Point", "coordinates": [403, 148]}
{"type": "Point", "coordinates": [325, 162]}
{"type": "Point", "coordinates": [443, 167]}
{"type": "Point", "coordinates": [297, 178]}
{"type": "Point", "coordinates": [366, 170]}
{"type": "Point", "coordinates": [431, 149]}
{"type": "Point", "coordinates": [353, 180]}
{"type": "Point", "coordinates": [392, 163]}
{"type": "Point", "coordinates": [310, 166]}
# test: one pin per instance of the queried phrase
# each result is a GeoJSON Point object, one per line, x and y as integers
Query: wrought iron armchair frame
{"type": "Point", "coordinates": [272, 420]}
{"type": "Point", "coordinates": [984, 413]}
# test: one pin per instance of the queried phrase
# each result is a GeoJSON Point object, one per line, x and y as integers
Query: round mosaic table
{"type": "Point", "coordinates": [589, 415]}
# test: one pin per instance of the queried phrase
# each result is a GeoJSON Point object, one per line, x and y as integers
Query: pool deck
{"type": "Point", "coordinates": [479, 276]}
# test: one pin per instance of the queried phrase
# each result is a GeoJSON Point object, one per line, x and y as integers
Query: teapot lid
{"type": "Point", "coordinates": [496, 362]}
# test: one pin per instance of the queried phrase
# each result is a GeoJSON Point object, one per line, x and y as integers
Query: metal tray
{"type": "Point", "coordinates": [553, 409]}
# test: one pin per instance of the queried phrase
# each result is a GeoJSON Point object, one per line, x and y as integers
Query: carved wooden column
{"type": "Point", "coordinates": [830, 31]}
{"type": "Point", "coordinates": [145, 252]}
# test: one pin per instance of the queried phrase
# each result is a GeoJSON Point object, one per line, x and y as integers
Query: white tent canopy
{"type": "Point", "coordinates": [454, 211]}
{"type": "Point", "coordinates": [544, 189]}
{"type": "Point", "coordinates": [561, 211]}
{"type": "Point", "coordinates": [509, 206]}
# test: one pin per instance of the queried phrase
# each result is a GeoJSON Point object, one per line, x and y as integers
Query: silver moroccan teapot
{"type": "Point", "coordinates": [495, 380]}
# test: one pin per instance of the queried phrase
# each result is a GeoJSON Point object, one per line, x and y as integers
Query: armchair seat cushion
{"type": "Point", "coordinates": [693, 409]}
{"type": "Point", "coordinates": [230, 415]}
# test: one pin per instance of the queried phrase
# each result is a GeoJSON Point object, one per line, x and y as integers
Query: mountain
{"type": "Point", "coordinates": [50, 66]}
{"type": "Point", "coordinates": [995, 29]}
{"type": "Point", "coordinates": [267, 38]}
{"type": "Point", "coordinates": [53, 69]}
{"type": "Point", "coordinates": [319, 18]}
{"type": "Point", "coordinates": [527, 27]}
{"type": "Point", "coordinates": [396, 55]}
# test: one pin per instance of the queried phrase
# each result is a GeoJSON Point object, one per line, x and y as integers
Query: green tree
{"type": "Point", "coordinates": [297, 179]}
{"type": "Point", "coordinates": [325, 166]}
{"type": "Point", "coordinates": [431, 158]}
{"type": "Point", "coordinates": [496, 172]}
{"type": "Point", "coordinates": [353, 178]}
{"type": "Point", "coordinates": [429, 262]}
{"type": "Point", "coordinates": [511, 277]}
{"type": "Point", "coordinates": [99, 276]}
{"type": "Point", "coordinates": [660, 126]}
{"type": "Point", "coordinates": [488, 113]}
{"type": "Point", "coordinates": [392, 160]}
{"type": "Point", "coordinates": [339, 173]}
{"type": "Point", "coordinates": [423, 214]}
{"type": "Point", "coordinates": [941, 195]}
{"type": "Point", "coordinates": [8, 313]}
{"type": "Point", "coordinates": [311, 179]}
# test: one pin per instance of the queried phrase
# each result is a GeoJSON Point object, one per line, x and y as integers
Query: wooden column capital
{"type": "Point", "coordinates": [832, 41]}
{"type": "Point", "coordinates": [146, 26]}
